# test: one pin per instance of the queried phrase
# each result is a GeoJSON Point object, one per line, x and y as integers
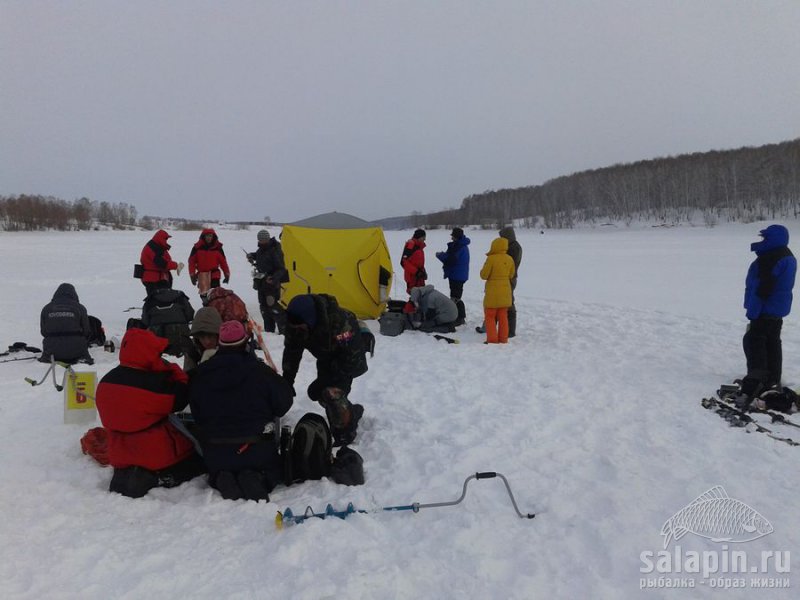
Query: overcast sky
{"type": "Point", "coordinates": [241, 110]}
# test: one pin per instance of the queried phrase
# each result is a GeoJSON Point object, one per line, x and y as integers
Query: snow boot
{"type": "Point", "coordinates": [133, 482]}
{"type": "Point", "coordinates": [343, 417]}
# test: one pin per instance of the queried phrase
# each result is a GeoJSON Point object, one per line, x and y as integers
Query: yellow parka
{"type": "Point", "coordinates": [498, 271]}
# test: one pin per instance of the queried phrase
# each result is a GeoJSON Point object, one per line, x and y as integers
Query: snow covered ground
{"type": "Point", "coordinates": [592, 413]}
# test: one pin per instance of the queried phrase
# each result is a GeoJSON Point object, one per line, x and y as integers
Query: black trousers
{"type": "Point", "coordinates": [456, 289]}
{"type": "Point", "coordinates": [271, 311]}
{"type": "Point", "coordinates": [763, 350]}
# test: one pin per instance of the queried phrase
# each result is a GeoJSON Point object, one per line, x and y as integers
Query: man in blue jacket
{"type": "Point", "coordinates": [455, 262]}
{"type": "Point", "coordinates": [767, 299]}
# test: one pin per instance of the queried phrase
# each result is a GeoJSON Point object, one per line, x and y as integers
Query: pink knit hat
{"type": "Point", "coordinates": [232, 333]}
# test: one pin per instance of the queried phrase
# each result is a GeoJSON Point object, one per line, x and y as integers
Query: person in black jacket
{"type": "Point", "coordinates": [64, 324]}
{"type": "Point", "coordinates": [236, 399]}
{"type": "Point", "coordinates": [270, 273]}
{"type": "Point", "coordinates": [316, 323]}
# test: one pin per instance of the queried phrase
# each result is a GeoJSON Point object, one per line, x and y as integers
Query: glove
{"type": "Point", "coordinates": [193, 279]}
{"type": "Point", "coordinates": [179, 269]}
{"type": "Point", "coordinates": [227, 279]}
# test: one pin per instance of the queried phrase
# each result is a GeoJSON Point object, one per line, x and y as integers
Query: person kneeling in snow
{"type": "Point", "coordinates": [316, 323]}
{"type": "Point", "coordinates": [431, 310]}
{"type": "Point", "coordinates": [235, 399]}
{"type": "Point", "coordinates": [134, 401]}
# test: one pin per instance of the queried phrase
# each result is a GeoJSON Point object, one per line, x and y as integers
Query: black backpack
{"type": "Point", "coordinates": [168, 313]}
{"type": "Point", "coordinates": [309, 455]}
{"type": "Point", "coordinates": [97, 335]}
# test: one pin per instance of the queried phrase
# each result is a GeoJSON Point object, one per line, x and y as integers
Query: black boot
{"type": "Point", "coordinates": [512, 322]}
{"type": "Point", "coordinates": [133, 482]}
{"type": "Point", "coordinates": [343, 417]}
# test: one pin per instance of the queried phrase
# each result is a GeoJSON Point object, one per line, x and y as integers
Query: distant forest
{"type": "Point", "coordinates": [743, 185]}
{"type": "Point", "coordinates": [32, 213]}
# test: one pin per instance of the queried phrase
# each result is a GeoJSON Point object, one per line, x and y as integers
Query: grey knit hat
{"type": "Point", "coordinates": [263, 236]}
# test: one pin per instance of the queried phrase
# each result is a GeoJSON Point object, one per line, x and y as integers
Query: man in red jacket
{"type": "Point", "coordinates": [134, 401]}
{"type": "Point", "coordinates": [413, 261]}
{"type": "Point", "coordinates": [205, 261]}
{"type": "Point", "coordinates": [157, 263]}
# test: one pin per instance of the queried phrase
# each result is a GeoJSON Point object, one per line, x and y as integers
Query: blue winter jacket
{"type": "Point", "coordinates": [455, 260]}
{"type": "Point", "coordinates": [770, 278]}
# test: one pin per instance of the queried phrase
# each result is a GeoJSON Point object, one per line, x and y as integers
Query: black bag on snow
{"type": "Point", "coordinates": [309, 455]}
{"type": "Point", "coordinates": [348, 467]}
{"type": "Point", "coordinates": [168, 313]}
{"type": "Point", "coordinates": [780, 400]}
{"type": "Point", "coordinates": [97, 335]}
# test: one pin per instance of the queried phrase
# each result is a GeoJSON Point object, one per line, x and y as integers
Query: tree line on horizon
{"type": "Point", "coordinates": [743, 185]}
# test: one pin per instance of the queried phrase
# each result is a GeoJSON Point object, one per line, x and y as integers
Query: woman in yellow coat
{"type": "Point", "coordinates": [497, 271]}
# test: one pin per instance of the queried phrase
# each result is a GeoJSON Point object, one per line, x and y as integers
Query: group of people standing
{"type": "Point", "coordinates": [499, 271]}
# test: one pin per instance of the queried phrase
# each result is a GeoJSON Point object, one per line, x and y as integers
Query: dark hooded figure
{"type": "Point", "coordinates": [316, 323]}
{"type": "Point", "coordinates": [64, 324]}
{"type": "Point", "coordinates": [767, 299]}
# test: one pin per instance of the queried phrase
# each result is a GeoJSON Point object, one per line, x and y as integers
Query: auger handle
{"type": "Point", "coordinates": [31, 381]}
{"type": "Point", "coordinates": [485, 475]}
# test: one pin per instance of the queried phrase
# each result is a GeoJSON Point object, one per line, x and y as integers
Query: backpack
{"type": "Point", "coordinates": [310, 451]}
{"type": "Point", "coordinates": [167, 313]}
{"type": "Point", "coordinates": [229, 306]}
{"type": "Point", "coordinates": [97, 335]}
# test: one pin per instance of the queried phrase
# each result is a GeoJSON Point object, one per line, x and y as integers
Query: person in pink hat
{"type": "Point", "coordinates": [235, 399]}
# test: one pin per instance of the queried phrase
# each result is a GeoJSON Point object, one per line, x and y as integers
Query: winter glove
{"type": "Point", "coordinates": [193, 279]}
{"type": "Point", "coordinates": [180, 268]}
{"type": "Point", "coordinates": [227, 279]}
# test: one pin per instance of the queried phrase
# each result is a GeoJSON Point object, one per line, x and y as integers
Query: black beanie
{"type": "Point", "coordinates": [419, 233]}
{"type": "Point", "coordinates": [457, 233]}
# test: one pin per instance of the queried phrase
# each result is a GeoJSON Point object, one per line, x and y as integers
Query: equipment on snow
{"type": "Point", "coordinates": [287, 517]}
{"type": "Point", "coordinates": [739, 418]}
{"type": "Point", "coordinates": [309, 455]}
{"type": "Point", "coordinates": [731, 394]}
{"type": "Point", "coordinates": [51, 370]}
{"type": "Point", "coordinates": [20, 347]}
{"type": "Point", "coordinates": [449, 340]}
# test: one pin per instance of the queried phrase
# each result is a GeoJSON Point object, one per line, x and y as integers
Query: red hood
{"type": "Point", "coordinates": [161, 238]}
{"type": "Point", "coordinates": [215, 243]}
{"type": "Point", "coordinates": [141, 349]}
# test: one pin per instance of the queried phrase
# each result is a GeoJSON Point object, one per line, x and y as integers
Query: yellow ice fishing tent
{"type": "Point", "coordinates": [340, 255]}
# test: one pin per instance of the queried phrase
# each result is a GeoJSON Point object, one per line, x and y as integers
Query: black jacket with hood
{"type": "Point", "coordinates": [64, 325]}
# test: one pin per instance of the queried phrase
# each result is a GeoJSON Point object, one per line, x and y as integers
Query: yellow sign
{"type": "Point", "coordinates": [79, 396]}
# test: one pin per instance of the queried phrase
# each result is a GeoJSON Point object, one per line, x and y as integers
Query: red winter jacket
{"type": "Point", "coordinates": [413, 263]}
{"type": "Point", "coordinates": [208, 257]}
{"type": "Point", "coordinates": [156, 260]}
{"type": "Point", "coordinates": [134, 401]}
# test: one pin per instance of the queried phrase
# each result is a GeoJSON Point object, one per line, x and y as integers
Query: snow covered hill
{"type": "Point", "coordinates": [592, 413]}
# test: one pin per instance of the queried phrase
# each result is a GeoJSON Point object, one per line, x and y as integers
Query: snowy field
{"type": "Point", "coordinates": [592, 413]}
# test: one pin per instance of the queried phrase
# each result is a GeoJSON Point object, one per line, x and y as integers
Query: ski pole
{"type": "Point", "coordinates": [288, 517]}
